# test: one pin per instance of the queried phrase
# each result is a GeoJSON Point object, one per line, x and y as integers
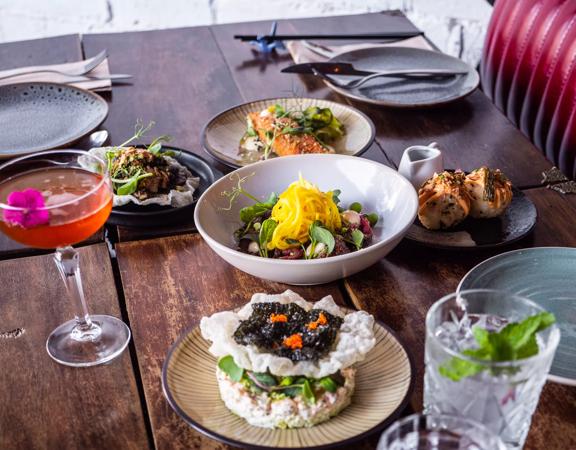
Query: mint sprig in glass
{"type": "Point", "coordinates": [487, 357]}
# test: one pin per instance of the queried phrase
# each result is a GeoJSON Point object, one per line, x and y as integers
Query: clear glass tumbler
{"type": "Point", "coordinates": [500, 395]}
{"type": "Point", "coordinates": [441, 432]}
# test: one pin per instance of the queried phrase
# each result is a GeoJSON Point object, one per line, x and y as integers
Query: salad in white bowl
{"type": "Point", "coordinates": [281, 220]}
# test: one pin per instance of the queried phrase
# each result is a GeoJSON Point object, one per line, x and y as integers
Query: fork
{"type": "Point", "coordinates": [402, 73]}
{"type": "Point", "coordinates": [89, 65]}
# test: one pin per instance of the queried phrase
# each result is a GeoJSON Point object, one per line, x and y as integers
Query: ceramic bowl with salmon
{"type": "Point", "coordinates": [279, 127]}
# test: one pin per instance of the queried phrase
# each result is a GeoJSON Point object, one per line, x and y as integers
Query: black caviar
{"type": "Point", "coordinates": [288, 330]}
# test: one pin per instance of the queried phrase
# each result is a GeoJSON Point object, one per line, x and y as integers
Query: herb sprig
{"type": "Point", "coordinates": [279, 387]}
{"type": "Point", "coordinates": [515, 341]}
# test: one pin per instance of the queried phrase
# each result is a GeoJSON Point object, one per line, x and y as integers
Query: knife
{"type": "Point", "coordinates": [336, 68]}
{"type": "Point", "coordinates": [327, 68]}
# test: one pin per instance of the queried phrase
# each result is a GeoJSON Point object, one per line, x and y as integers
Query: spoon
{"type": "Point", "coordinates": [97, 138]}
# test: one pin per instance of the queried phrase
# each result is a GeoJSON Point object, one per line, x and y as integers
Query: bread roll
{"type": "Point", "coordinates": [443, 201]}
{"type": "Point", "coordinates": [490, 192]}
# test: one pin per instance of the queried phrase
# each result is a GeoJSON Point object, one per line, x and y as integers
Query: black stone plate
{"type": "Point", "coordinates": [42, 116]}
{"type": "Point", "coordinates": [136, 216]}
{"type": "Point", "coordinates": [516, 222]}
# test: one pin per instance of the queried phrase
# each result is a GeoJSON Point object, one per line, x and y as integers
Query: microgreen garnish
{"type": "Point", "coordinates": [237, 191]}
{"type": "Point", "coordinates": [265, 235]}
{"type": "Point", "coordinates": [357, 238]}
{"type": "Point", "coordinates": [320, 234]}
{"type": "Point", "coordinates": [515, 341]}
{"type": "Point", "coordinates": [139, 131]}
{"type": "Point", "coordinates": [127, 172]}
{"type": "Point", "coordinates": [279, 387]}
{"type": "Point", "coordinates": [227, 365]}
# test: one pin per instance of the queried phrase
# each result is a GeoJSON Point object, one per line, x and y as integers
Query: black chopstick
{"type": "Point", "coordinates": [294, 37]}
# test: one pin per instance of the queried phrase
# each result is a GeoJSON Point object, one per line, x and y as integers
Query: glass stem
{"type": "Point", "coordinates": [68, 262]}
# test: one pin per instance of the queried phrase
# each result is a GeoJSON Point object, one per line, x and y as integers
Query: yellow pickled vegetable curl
{"type": "Point", "coordinates": [297, 208]}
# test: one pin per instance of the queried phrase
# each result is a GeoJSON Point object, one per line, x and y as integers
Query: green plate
{"type": "Point", "coordinates": [546, 275]}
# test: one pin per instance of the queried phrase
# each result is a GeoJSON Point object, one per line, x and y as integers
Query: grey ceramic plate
{"type": "Point", "coordinates": [42, 116]}
{"type": "Point", "coordinates": [545, 275]}
{"type": "Point", "coordinates": [402, 92]}
{"type": "Point", "coordinates": [221, 136]}
{"type": "Point", "coordinates": [517, 222]}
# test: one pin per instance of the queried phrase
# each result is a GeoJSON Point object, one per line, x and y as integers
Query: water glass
{"type": "Point", "coordinates": [500, 395]}
{"type": "Point", "coordinates": [438, 432]}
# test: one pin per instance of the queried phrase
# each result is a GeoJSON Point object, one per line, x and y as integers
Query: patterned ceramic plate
{"type": "Point", "coordinates": [516, 222]}
{"type": "Point", "coordinates": [545, 275]}
{"type": "Point", "coordinates": [383, 387]}
{"type": "Point", "coordinates": [221, 136]}
{"type": "Point", "coordinates": [42, 116]}
{"type": "Point", "coordinates": [402, 92]}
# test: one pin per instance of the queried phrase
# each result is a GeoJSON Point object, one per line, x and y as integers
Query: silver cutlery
{"type": "Point", "coordinates": [98, 138]}
{"type": "Point", "coordinates": [111, 77]}
{"type": "Point", "coordinates": [403, 73]}
{"type": "Point", "coordinates": [89, 65]}
{"type": "Point", "coordinates": [321, 50]}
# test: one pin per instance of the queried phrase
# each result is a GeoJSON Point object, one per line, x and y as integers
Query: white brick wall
{"type": "Point", "coordinates": [456, 26]}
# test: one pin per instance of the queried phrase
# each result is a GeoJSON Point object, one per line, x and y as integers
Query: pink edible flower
{"type": "Point", "coordinates": [32, 213]}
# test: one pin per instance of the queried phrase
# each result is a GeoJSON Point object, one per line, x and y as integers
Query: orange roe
{"type": "Point", "coordinates": [321, 320]}
{"type": "Point", "coordinates": [293, 342]}
{"type": "Point", "coordinates": [278, 318]}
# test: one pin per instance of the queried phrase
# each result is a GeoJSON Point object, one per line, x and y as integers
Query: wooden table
{"type": "Point", "coordinates": [163, 285]}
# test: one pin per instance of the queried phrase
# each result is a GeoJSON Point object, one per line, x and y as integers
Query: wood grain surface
{"type": "Point", "coordinates": [400, 289]}
{"type": "Point", "coordinates": [169, 284]}
{"type": "Point", "coordinates": [49, 406]}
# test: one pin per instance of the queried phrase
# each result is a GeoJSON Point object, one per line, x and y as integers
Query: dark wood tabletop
{"type": "Point", "coordinates": [162, 281]}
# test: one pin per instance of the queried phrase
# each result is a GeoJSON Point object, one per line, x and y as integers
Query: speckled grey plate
{"type": "Point", "coordinates": [221, 136]}
{"type": "Point", "coordinates": [545, 275]}
{"type": "Point", "coordinates": [516, 222]}
{"type": "Point", "coordinates": [403, 92]}
{"type": "Point", "coordinates": [42, 116]}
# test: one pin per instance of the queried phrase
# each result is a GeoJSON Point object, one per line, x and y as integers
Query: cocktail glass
{"type": "Point", "coordinates": [53, 200]}
{"type": "Point", "coordinates": [438, 432]}
{"type": "Point", "coordinates": [502, 395]}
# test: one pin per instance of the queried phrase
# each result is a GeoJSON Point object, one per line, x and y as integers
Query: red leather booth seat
{"type": "Point", "coordinates": [528, 70]}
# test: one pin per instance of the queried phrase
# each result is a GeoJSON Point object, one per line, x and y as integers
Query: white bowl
{"type": "Point", "coordinates": [378, 188]}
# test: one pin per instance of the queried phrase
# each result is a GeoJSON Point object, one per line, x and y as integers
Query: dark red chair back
{"type": "Point", "coordinates": [528, 70]}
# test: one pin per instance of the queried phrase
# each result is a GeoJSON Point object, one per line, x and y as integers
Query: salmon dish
{"type": "Point", "coordinates": [278, 132]}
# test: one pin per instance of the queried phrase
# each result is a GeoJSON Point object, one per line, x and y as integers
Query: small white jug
{"type": "Point", "coordinates": [420, 162]}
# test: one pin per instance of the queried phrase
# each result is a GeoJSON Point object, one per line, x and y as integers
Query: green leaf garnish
{"type": "Point", "coordinates": [265, 235]}
{"type": "Point", "coordinates": [355, 207]}
{"type": "Point", "coordinates": [372, 218]}
{"type": "Point", "coordinates": [357, 238]}
{"type": "Point", "coordinates": [265, 378]}
{"type": "Point", "coordinates": [307, 392]}
{"type": "Point", "coordinates": [320, 234]}
{"type": "Point", "coordinates": [130, 185]}
{"type": "Point", "coordinates": [335, 195]}
{"type": "Point", "coordinates": [227, 365]}
{"type": "Point", "coordinates": [515, 341]}
{"type": "Point", "coordinates": [156, 144]}
{"type": "Point", "coordinates": [249, 213]}
{"type": "Point", "coordinates": [328, 384]}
